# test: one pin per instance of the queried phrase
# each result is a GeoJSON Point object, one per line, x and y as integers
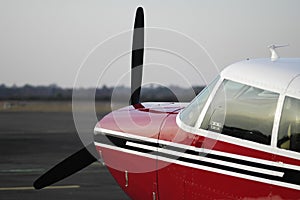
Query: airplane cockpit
{"type": "Point", "coordinates": [250, 102]}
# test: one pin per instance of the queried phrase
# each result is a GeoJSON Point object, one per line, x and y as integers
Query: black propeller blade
{"type": "Point", "coordinates": [137, 57]}
{"type": "Point", "coordinates": [88, 154]}
{"type": "Point", "coordinates": [67, 167]}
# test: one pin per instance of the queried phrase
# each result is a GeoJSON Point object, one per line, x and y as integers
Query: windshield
{"type": "Point", "coordinates": [191, 113]}
{"type": "Point", "coordinates": [242, 111]}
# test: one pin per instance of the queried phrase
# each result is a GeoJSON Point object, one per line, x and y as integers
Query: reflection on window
{"type": "Point", "coordinates": [289, 128]}
{"type": "Point", "coordinates": [191, 113]}
{"type": "Point", "coordinates": [242, 111]}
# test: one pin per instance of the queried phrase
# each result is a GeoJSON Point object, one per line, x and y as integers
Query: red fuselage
{"type": "Point", "coordinates": [152, 158]}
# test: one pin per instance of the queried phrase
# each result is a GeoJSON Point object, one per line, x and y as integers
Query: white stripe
{"type": "Point", "coordinates": [209, 160]}
{"type": "Point", "coordinates": [103, 131]}
{"type": "Point", "coordinates": [220, 171]}
{"type": "Point", "coordinates": [98, 130]}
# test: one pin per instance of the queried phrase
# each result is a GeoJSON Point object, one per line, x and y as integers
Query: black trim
{"type": "Point", "coordinates": [290, 176]}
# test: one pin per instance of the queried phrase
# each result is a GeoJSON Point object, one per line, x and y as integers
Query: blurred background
{"type": "Point", "coordinates": [46, 47]}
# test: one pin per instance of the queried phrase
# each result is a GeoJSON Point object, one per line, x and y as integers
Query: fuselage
{"type": "Point", "coordinates": [151, 157]}
{"type": "Point", "coordinates": [239, 138]}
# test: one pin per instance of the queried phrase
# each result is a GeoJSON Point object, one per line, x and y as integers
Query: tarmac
{"type": "Point", "coordinates": [33, 142]}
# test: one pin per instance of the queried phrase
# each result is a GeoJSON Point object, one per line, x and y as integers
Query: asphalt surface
{"type": "Point", "coordinates": [31, 143]}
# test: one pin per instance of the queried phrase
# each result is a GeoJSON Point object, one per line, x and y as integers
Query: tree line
{"type": "Point", "coordinates": [54, 92]}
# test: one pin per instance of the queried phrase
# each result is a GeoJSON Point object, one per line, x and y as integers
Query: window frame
{"type": "Point", "coordinates": [213, 90]}
{"type": "Point", "coordinates": [208, 102]}
{"type": "Point", "coordinates": [286, 151]}
{"type": "Point", "coordinates": [272, 148]}
{"type": "Point", "coordinates": [248, 85]}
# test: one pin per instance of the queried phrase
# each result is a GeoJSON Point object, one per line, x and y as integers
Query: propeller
{"type": "Point", "coordinates": [88, 154]}
{"type": "Point", "coordinates": [67, 167]}
{"type": "Point", "coordinates": [137, 57]}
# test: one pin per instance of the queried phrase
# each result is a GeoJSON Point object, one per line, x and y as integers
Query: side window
{"type": "Point", "coordinates": [289, 127]}
{"type": "Point", "coordinates": [242, 111]}
{"type": "Point", "coordinates": [191, 113]}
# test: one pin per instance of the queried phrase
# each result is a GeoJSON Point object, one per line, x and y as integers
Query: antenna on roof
{"type": "Point", "coordinates": [274, 55]}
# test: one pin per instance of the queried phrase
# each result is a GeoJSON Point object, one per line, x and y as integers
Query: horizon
{"type": "Point", "coordinates": [103, 86]}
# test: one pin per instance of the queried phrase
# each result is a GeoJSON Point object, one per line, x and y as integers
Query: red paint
{"type": "Point", "coordinates": [141, 184]}
{"type": "Point", "coordinates": [147, 176]}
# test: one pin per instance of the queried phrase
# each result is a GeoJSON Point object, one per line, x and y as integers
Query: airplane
{"type": "Point", "coordinates": [238, 139]}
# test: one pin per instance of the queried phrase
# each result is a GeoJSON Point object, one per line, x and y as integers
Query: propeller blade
{"type": "Point", "coordinates": [67, 167]}
{"type": "Point", "coordinates": [137, 56]}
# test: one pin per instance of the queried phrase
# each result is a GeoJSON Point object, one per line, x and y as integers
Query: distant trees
{"type": "Point", "coordinates": [29, 92]}
{"type": "Point", "coordinates": [54, 92]}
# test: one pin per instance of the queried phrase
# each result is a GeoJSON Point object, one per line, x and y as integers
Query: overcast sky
{"type": "Point", "coordinates": [45, 41]}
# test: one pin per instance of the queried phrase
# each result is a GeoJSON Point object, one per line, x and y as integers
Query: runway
{"type": "Point", "coordinates": [31, 143]}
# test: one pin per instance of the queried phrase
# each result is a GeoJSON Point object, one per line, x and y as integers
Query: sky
{"type": "Point", "coordinates": [46, 42]}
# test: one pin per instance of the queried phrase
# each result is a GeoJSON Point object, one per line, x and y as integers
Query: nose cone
{"type": "Point", "coordinates": [127, 141]}
{"type": "Point", "coordinates": [142, 121]}
{"type": "Point", "coordinates": [118, 130]}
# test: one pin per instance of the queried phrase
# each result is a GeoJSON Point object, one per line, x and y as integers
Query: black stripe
{"type": "Point", "coordinates": [290, 176]}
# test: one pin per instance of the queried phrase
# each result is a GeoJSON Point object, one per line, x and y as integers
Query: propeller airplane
{"type": "Point", "coordinates": [238, 139]}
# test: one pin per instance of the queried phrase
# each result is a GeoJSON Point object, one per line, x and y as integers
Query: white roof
{"type": "Point", "coordinates": [270, 75]}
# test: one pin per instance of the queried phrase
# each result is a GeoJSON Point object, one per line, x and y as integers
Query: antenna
{"type": "Point", "coordinates": [274, 55]}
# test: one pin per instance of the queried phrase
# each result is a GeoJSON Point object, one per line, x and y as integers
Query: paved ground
{"type": "Point", "coordinates": [33, 142]}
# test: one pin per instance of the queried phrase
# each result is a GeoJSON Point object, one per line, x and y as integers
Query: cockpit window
{"type": "Point", "coordinates": [242, 111]}
{"type": "Point", "coordinates": [289, 127]}
{"type": "Point", "coordinates": [191, 113]}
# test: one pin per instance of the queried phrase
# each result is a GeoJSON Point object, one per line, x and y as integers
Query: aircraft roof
{"type": "Point", "coordinates": [266, 74]}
